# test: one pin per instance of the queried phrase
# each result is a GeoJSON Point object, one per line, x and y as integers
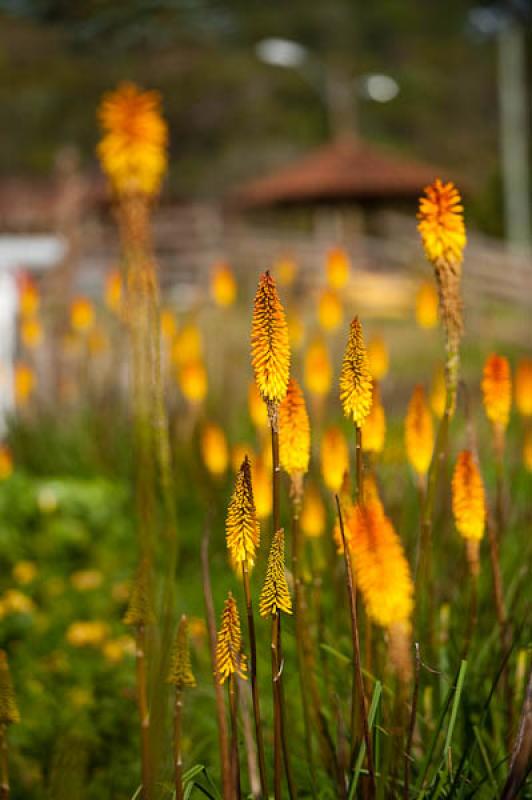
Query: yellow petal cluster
{"type": "Point", "coordinates": [275, 595]}
{"type": "Point", "coordinates": [29, 298]}
{"type": "Point", "coordinates": [312, 513]}
{"type": "Point", "coordinates": [355, 377]}
{"type": "Point", "coordinates": [523, 387]}
{"type": "Point", "coordinates": [132, 150]}
{"type": "Point", "coordinates": [262, 488]}
{"type": "Point", "coordinates": [258, 410]}
{"type": "Point", "coordinates": [214, 449]}
{"type": "Point", "coordinates": [294, 431]}
{"type": "Point", "coordinates": [374, 427]}
{"type": "Point", "coordinates": [334, 458]}
{"type": "Point", "coordinates": [180, 673]}
{"type": "Point", "coordinates": [25, 382]}
{"type": "Point", "coordinates": [317, 368]}
{"type": "Point", "coordinates": [378, 357]}
{"type": "Point", "coordinates": [419, 432]}
{"type": "Point", "coordinates": [330, 311]}
{"type": "Point", "coordinates": [497, 390]}
{"type": "Point", "coordinates": [468, 500]}
{"type": "Point", "coordinates": [223, 285]}
{"type": "Point", "coordinates": [441, 224]}
{"type": "Point", "coordinates": [241, 526]}
{"type": "Point", "coordinates": [82, 315]}
{"type": "Point", "coordinates": [427, 305]}
{"type": "Point", "coordinates": [229, 656]}
{"type": "Point", "coordinates": [31, 332]}
{"type": "Point", "coordinates": [270, 347]}
{"type": "Point", "coordinates": [337, 268]}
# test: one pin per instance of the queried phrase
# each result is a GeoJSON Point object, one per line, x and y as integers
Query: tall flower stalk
{"type": "Point", "coordinates": [181, 677]}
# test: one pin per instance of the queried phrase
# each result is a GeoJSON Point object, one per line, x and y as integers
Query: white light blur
{"type": "Point", "coordinates": [281, 52]}
{"type": "Point", "coordinates": [381, 88]}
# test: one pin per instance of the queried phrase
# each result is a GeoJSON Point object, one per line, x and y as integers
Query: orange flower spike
{"type": "Point", "coordinates": [6, 462]}
{"type": "Point", "coordinates": [523, 387]}
{"type": "Point", "coordinates": [24, 382]}
{"type": "Point", "coordinates": [427, 306]}
{"type": "Point", "coordinates": [294, 431]}
{"type": "Point", "coordinates": [82, 316]}
{"type": "Point", "coordinates": [330, 311]}
{"type": "Point", "coordinates": [355, 377]}
{"type": "Point", "coordinates": [193, 381]}
{"type": "Point", "coordinates": [441, 224]}
{"type": "Point", "coordinates": [214, 449]}
{"type": "Point", "coordinates": [334, 458]}
{"type": "Point", "coordinates": [378, 357]}
{"type": "Point", "coordinates": [31, 332]}
{"type": "Point", "coordinates": [468, 500]}
{"type": "Point", "coordinates": [223, 285]}
{"type": "Point", "coordinates": [419, 433]}
{"type": "Point", "coordinates": [337, 268]}
{"type": "Point", "coordinates": [132, 150]}
{"type": "Point", "coordinates": [241, 527]}
{"type": "Point", "coordinates": [374, 428]}
{"type": "Point", "coordinates": [318, 369]}
{"type": "Point", "coordinates": [312, 513]}
{"type": "Point", "coordinates": [29, 298]}
{"type": "Point", "coordinates": [270, 347]}
{"type": "Point", "coordinates": [497, 390]}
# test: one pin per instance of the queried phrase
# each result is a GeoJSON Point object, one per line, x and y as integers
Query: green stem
{"type": "Point", "coordinates": [235, 760]}
{"type": "Point", "coordinates": [277, 733]}
{"type": "Point", "coordinates": [178, 758]}
{"type": "Point", "coordinates": [144, 713]}
{"type": "Point", "coordinates": [359, 488]}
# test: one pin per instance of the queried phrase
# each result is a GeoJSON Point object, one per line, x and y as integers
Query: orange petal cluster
{"type": "Point", "coordinates": [270, 347]}
{"type": "Point", "coordinates": [355, 377]}
{"type": "Point", "coordinates": [441, 224]}
{"type": "Point", "coordinates": [419, 433]}
{"type": "Point", "coordinates": [497, 390]}
{"type": "Point", "coordinates": [468, 500]}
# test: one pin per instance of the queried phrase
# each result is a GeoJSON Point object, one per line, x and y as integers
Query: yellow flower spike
{"type": "Point", "coordinates": [337, 267]}
{"type": "Point", "coordinates": [223, 285]}
{"type": "Point", "coordinates": [312, 513]}
{"type": "Point", "coordinates": [438, 392]}
{"type": "Point", "coordinates": [187, 345]}
{"type": "Point", "coordinates": [113, 291]}
{"type": "Point", "coordinates": [258, 410]}
{"type": "Point", "coordinates": [132, 150]}
{"type": "Point", "coordinates": [427, 306]}
{"type": "Point", "coordinates": [523, 387]}
{"type": "Point", "coordinates": [242, 529]}
{"type": "Point", "coordinates": [497, 390]}
{"type": "Point", "coordinates": [180, 673]}
{"type": "Point", "coordinates": [441, 224]}
{"type": "Point", "coordinates": [270, 347]}
{"type": "Point", "coordinates": [381, 568]}
{"type": "Point", "coordinates": [419, 432]}
{"type": "Point", "coordinates": [31, 333]}
{"type": "Point", "coordinates": [355, 377]}
{"type": "Point", "coordinates": [168, 324]}
{"type": "Point", "coordinates": [6, 462]}
{"type": "Point", "coordinates": [230, 659]}
{"type": "Point", "coordinates": [9, 713]}
{"type": "Point", "coordinates": [318, 369]}
{"type": "Point", "coordinates": [82, 315]}
{"type": "Point", "coordinates": [374, 428]}
{"type": "Point", "coordinates": [193, 382]}
{"type": "Point", "coordinates": [334, 458]}
{"type": "Point", "coordinates": [214, 450]}
{"type": "Point", "coordinates": [25, 383]}
{"type": "Point", "coordinates": [285, 270]}
{"type": "Point", "coordinates": [527, 450]}
{"type": "Point", "coordinates": [330, 311]}
{"type": "Point", "coordinates": [262, 489]}
{"type": "Point", "coordinates": [468, 500]}
{"type": "Point", "coordinates": [275, 595]}
{"type": "Point", "coordinates": [294, 431]}
{"type": "Point", "coordinates": [378, 357]}
{"type": "Point", "coordinates": [29, 298]}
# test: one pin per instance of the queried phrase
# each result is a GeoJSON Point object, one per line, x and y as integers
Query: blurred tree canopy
{"type": "Point", "coordinates": [231, 116]}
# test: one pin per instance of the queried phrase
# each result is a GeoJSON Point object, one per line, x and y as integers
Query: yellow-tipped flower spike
{"type": "Point", "coordinates": [438, 392]}
{"type": "Point", "coordinates": [523, 387]}
{"type": "Point", "coordinates": [193, 382]}
{"type": "Point", "coordinates": [469, 504]}
{"type": "Point", "coordinates": [180, 673]}
{"type": "Point", "coordinates": [355, 377]}
{"type": "Point", "coordinates": [9, 713]}
{"type": "Point", "coordinates": [31, 332]}
{"type": "Point", "coordinates": [24, 383]}
{"type": "Point", "coordinates": [113, 291]}
{"type": "Point", "coordinates": [241, 527]}
{"type": "Point", "coordinates": [275, 595]}
{"type": "Point", "coordinates": [381, 568]}
{"type": "Point", "coordinates": [330, 311]}
{"type": "Point", "coordinates": [378, 357]}
{"type": "Point", "coordinates": [168, 324]}
{"type": "Point", "coordinates": [427, 306]}
{"type": "Point", "coordinates": [82, 315]}
{"type": "Point", "coordinates": [313, 513]}
{"type": "Point", "coordinates": [187, 345]}
{"type": "Point", "coordinates": [223, 285]}
{"type": "Point", "coordinates": [29, 298]}
{"type": "Point", "coordinates": [258, 410]}
{"type": "Point", "coordinates": [441, 224]}
{"type": "Point", "coordinates": [419, 432]}
{"type": "Point", "coordinates": [318, 369]}
{"type": "Point", "coordinates": [285, 270]}
{"type": "Point", "coordinates": [337, 268]}
{"type": "Point", "coordinates": [6, 462]}
{"type": "Point", "coordinates": [214, 450]}
{"type": "Point", "coordinates": [527, 450]}
{"type": "Point", "coordinates": [229, 656]}
{"type": "Point", "coordinates": [294, 431]}
{"type": "Point", "coordinates": [270, 347]}
{"type": "Point", "coordinates": [132, 150]}
{"type": "Point", "coordinates": [374, 428]}
{"type": "Point", "coordinates": [334, 458]}
{"type": "Point", "coordinates": [497, 390]}
{"type": "Point", "coordinates": [262, 489]}
{"type": "Point", "coordinates": [139, 611]}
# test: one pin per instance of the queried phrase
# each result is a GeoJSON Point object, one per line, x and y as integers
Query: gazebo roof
{"type": "Point", "coordinates": [347, 169]}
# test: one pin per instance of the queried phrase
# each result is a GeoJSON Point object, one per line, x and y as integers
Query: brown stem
{"type": "Point", "coordinates": [280, 689]}
{"type": "Point", "coordinates": [4, 766]}
{"type": "Point", "coordinates": [244, 693]}
{"type": "Point", "coordinates": [359, 488]}
{"type": "Point", "coordinates": [235, 760]}
{"type": "Point", "coordinates": [412, 725]}
{"type": "Point", "coordinates": [277, 734]}
{"type": "Point", "coordinates": [253, 675]}
{"type": "Point", "coordinates": [223, 739]}
{"type": "Point", "coordinates": [499, 437]}
{"type": "Point", "coordinates": [144, 713]}
{"type": "Point", "coordinates": [357, 669]}
{"type": "Point", "coordinates": [276, 469]}
{"type": "Point", "coordinates": [178, 758]}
